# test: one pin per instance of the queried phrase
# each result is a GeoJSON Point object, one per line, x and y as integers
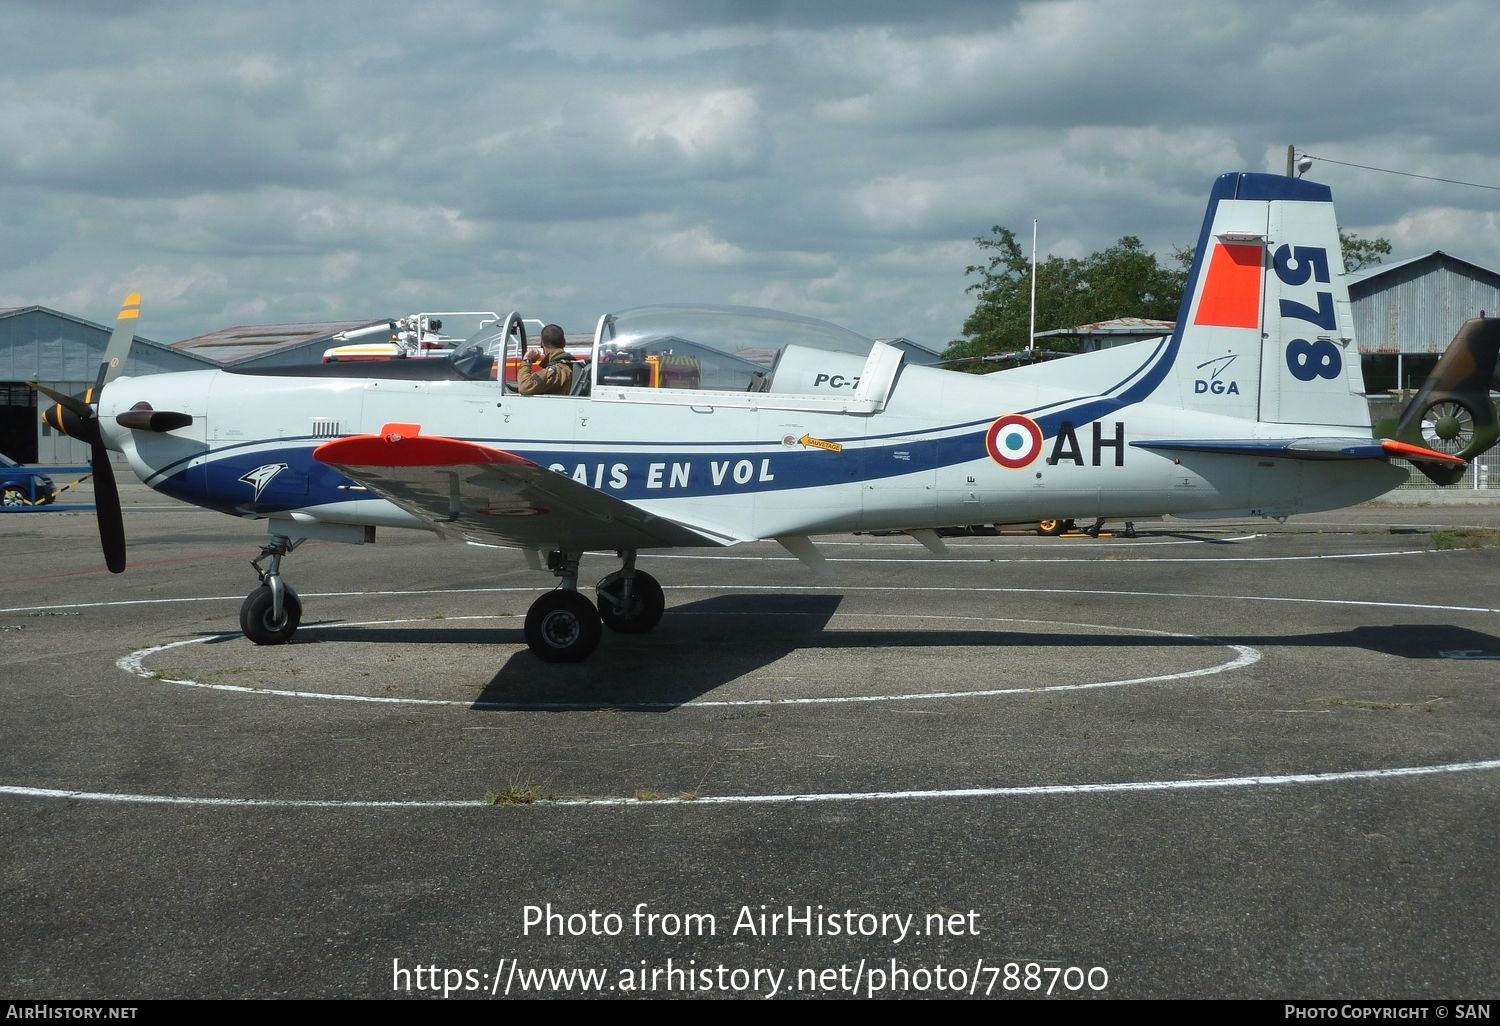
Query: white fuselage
{"type": "Point", "coordinates": [746, 463]}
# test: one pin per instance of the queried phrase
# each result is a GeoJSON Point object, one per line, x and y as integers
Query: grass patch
{"type": "Point", "coordinates": [1465, 538]}
{"type": "Point", "coordinates": [518, 792]}
{"type": "Point", "coordinates": [644, 795]}
{"type": "Point", "coordinates": [1371, 704]}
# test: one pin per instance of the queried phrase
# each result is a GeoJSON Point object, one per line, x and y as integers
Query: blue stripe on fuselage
{"type": "Point", "coordinates": [217, 483]}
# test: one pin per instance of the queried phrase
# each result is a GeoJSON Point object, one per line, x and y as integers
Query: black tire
{"type": "Point", "coordinates": [14, 497]}
{"type": "Point", "coordinates": [1052, 528]}
{"type": "Point", "coordinates": [647, 603]}
{"type": "Point", "coordinates": [259, 626]}
{"type": "Point", "coordinates": [562, 627]}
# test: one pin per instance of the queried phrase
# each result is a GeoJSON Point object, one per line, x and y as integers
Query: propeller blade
{"type": "Point", "coordinates": [119, 342]}
{"type": "Point", "coordinates": [67, 402]}
{"type": "Point", "coordinates": [107, 511]}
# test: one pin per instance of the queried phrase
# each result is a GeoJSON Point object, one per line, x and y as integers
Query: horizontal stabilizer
{"type": "Point", "coordinates": [1314, 448]}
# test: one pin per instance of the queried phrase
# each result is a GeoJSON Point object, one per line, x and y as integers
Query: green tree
{"type": "Point", "coordinates": [1123, 280]}
{"type": "Point", "coordinates": [1362, 252]}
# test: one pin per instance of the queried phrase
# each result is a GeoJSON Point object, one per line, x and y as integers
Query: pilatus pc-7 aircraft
{"type": "Point", "coordinates": [701, 426]}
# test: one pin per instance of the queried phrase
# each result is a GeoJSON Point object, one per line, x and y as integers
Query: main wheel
{"type": "Point", "coordinates": [646, 603]}
{"type": "Point", "coordinates": [1053, 528]}
{"type": "Point", "coordinates": [14, 497]}
{"type": "Point", "coordinates": [562, 627]}
{"type": "Point", "coordinates": [260, 625]}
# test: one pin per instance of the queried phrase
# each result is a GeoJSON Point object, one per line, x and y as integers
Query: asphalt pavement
{"type": "Point", "coordinates": [1234, 759]}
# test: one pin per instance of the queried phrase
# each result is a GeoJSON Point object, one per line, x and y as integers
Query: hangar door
{"type": "Point", "coordinates": [18, 421]}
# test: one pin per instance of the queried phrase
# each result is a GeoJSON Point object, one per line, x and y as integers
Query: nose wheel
{"type": "Point", "coordinates": [260, 622]}
{"type": "Point", "coordinates": [271, 613]}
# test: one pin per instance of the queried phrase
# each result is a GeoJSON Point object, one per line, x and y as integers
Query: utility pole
{"type": "Point", "coordinates": [1031, 338]}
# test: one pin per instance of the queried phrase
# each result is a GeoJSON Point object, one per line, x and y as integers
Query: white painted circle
{"type": "Point", "coordinates": [1243, 655]}
{"type": "Point", "coordinates": [1020, 791]}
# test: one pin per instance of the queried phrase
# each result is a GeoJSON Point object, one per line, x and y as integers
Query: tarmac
{"type": "Point", "coordinates": [1229, 759]}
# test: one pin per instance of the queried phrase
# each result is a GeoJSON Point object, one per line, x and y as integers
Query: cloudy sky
{"type": "Point", "coordinates": [249, 163]}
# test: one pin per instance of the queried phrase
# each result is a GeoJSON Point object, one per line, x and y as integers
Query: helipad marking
{"type": "Point", "coordinates": [781, 589]}
{"type": "Point", "coordinates": [981, 541]}
{"type": "Point", "coordinates": [1028, 791]}
{"type": "Point", "coordinates": [134, 663]}
{"type": "Point", "coordinates": [1107, 593]}
{"type": "Point", "coordinates": [1050, 559]}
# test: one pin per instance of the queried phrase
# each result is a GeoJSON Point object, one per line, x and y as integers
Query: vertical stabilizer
{"type": "Point", "coordinates": [1265, 331]}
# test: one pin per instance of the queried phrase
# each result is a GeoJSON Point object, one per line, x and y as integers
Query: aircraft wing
{"type": "Point", "coordinates": [1307, 448]}
{"type": "Point", "coordinates": [486, 494]}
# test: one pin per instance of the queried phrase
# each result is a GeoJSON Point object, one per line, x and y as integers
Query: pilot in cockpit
{"type": "Point", "coordinates": [549, 372]}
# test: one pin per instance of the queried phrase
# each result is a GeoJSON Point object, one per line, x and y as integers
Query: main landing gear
{"type": "Point", "coordinates": [270, 614]}
{"type": "Point", "coordinates": [564, 627]}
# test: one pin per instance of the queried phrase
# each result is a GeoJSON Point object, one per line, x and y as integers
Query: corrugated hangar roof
{"type": "Point", "coordinates": [13, 311]}
{"type": "Point", "coordinates": [252, 341]}
{"type": "Point", "coordinates": [140, 340]}
{"type": "Point", "coordinates": [1416, 305]}
{"type": "Point", "coordinates": [1376, 270]}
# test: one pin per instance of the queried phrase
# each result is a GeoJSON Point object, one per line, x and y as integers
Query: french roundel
{"type": "Point", "coordinates": [1014, 441]}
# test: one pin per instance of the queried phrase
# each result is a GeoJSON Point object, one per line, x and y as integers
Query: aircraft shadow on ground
{"type": "Point", "coordinates": [701, 646]}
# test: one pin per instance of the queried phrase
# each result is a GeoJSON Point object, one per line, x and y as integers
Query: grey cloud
{"type": "Point", "coordinates": [307, 160]}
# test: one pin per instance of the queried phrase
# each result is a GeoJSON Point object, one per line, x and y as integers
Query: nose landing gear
{"type": "Point", "coordinates": [271, 613]}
